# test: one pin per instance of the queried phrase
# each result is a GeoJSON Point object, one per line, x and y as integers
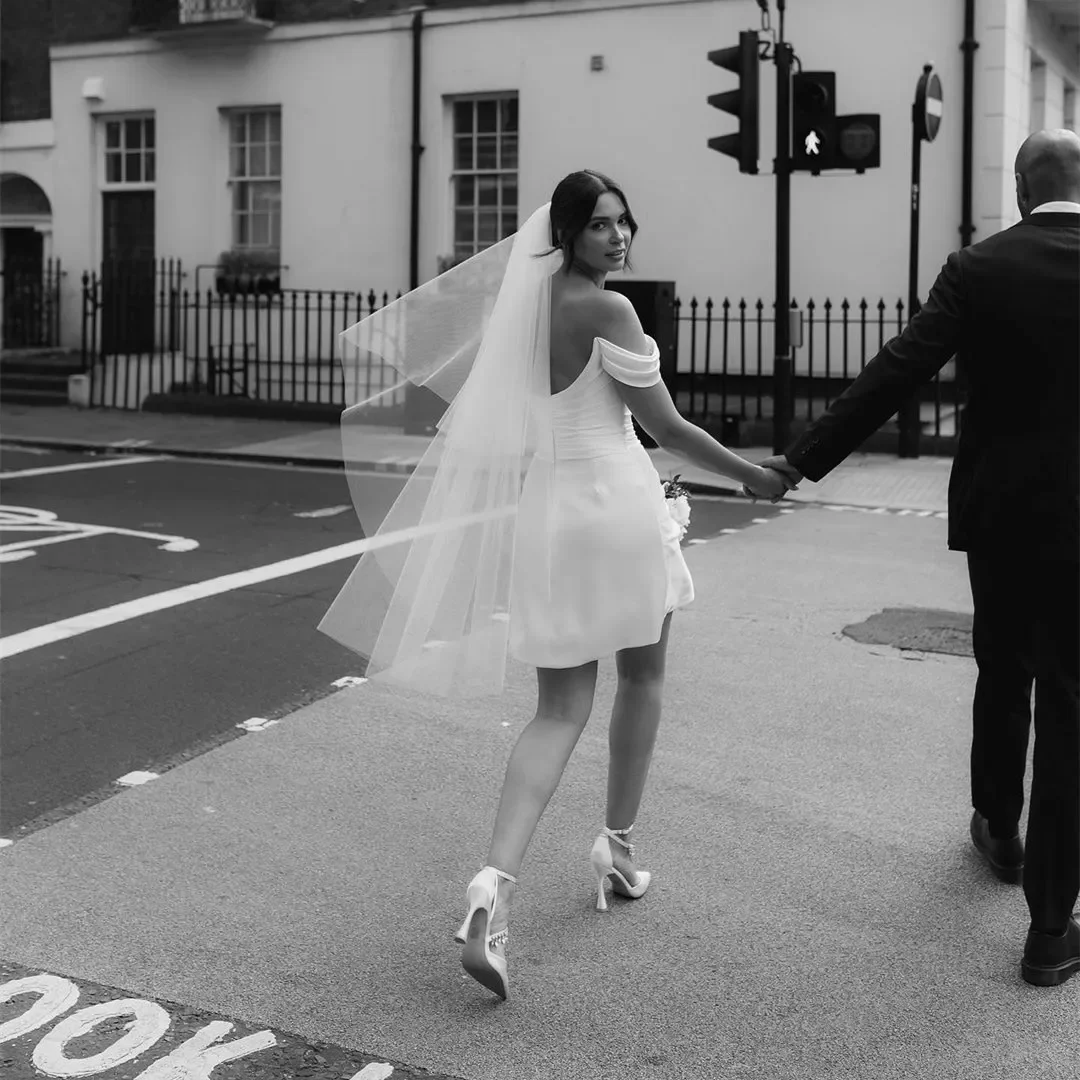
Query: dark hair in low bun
{"type": "Point", "coordinates": [572, 205]}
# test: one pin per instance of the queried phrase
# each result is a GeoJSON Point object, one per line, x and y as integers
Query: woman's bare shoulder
{"type": "Point", "coordinates": [594, 309]}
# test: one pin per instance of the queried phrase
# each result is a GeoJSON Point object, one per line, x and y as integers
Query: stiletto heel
{"type": "Point", "coordinates": [487, 967]}
{"type": "Point", "coordinates": [604, 868]}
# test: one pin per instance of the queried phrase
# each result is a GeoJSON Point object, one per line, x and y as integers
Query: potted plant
{"type": "Point", "coordinates": [241, 272]}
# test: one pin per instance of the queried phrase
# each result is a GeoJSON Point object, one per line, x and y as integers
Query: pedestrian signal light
{"type": "Point", "coordinates": [813, 121]}
{"type": "Point", "coordinates": [858, 142]}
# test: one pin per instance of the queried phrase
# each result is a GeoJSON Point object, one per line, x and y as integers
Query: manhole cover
{"type": "Point", "coordinates": [923, 629]}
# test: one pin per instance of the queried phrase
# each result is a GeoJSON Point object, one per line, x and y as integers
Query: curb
{"type": "Point", "coordinates": [398, 467]}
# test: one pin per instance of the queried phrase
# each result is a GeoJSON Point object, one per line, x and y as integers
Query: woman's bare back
{"type": "Point", "coordinates": [574, 327]}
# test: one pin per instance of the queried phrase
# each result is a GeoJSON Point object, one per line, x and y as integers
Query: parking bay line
{"type": "Point", "coordinates": [40, 636]}
{"type": "Point", "coordinates": [49, 469]}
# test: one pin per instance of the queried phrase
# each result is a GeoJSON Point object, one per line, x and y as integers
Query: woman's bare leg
{"type": "Point", "coordinates": [635, 719]}
{"type": "Point", "coordinates": [535, 768]}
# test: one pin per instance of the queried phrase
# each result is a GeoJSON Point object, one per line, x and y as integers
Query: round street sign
{"type": "Point", "coordinates": [928, 104]}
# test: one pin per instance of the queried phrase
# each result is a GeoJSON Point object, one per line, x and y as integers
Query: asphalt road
{"type": "Point", "coordinates": [80, 533]}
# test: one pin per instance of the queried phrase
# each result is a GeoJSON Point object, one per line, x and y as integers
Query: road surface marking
{"type": "Point", "coordinates": [328, 511]}
{"type": "Point", "coordinates": [349, 680]}
{"type": "Point", "coordinates": [134, 779]}
{"type": "Point", "coordinates": [26, 519]}
{"type": "Point", "coordinates": [375, 1070]}
{"type": "Point", "coordinates": [197, 1057]}
{"type": "Point", "coordinates": [256, 723]}
{"type": "Point", "coordinates": [47, 470]}
{"type": "Point", "coordinates": [22, 642]}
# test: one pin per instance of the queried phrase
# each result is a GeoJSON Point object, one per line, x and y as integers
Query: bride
{"type": "Point", "coordinates": [535, 525]}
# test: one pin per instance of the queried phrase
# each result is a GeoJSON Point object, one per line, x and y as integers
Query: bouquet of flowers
{"type": "Point", "coordinates": [678, 502]}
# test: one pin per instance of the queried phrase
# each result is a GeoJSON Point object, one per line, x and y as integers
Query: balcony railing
{"type": "Point", "coordinates": [183, 16]}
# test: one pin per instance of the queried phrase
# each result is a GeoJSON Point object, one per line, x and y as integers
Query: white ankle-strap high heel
{"type": "Point", "coordinates": [486, 967]}
{"type": "Point", "coordinates": [602, 864]}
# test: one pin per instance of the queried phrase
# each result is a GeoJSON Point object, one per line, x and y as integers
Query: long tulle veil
{"type": "Point", "coordinates": [428, 604]}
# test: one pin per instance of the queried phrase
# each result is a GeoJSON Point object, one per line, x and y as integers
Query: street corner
{"type": "Point", "coordinates": [55, 1026]}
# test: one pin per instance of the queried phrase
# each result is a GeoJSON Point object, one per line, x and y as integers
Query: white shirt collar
{"type": "Point", "coordinates": [1057, 208]}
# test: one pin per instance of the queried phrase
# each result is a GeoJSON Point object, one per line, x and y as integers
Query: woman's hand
{"type": "Point", "coordinates": [769, 484]}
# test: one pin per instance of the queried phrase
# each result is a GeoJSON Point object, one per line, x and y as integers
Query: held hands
{"type": "Point", "coordinates": [778, 477]}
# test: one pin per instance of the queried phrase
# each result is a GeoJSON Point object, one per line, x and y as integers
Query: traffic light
{"type": "Point", "coordinates": [858, 142]}
{"type": "Point", "coordinates": [813, 121]}
{"type": "Point", "coordinates": [743, 103]}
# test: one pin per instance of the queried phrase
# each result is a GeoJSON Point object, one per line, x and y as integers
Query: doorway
{"type": "Point", "coordinates": [25, 314]}
{"type": "Point", "coordinates": [127, 272]}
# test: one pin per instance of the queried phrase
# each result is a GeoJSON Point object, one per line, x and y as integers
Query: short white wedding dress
{"type": "Point", "coordinates": [593, 511]}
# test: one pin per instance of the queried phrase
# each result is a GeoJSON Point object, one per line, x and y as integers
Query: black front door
{"type": "Point", "coordinates": [127, 272]}
{"type": "Point", "coordinates": [25, 304]}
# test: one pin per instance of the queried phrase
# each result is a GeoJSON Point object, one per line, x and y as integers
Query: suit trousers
{"type": "Point", "coordinates": [1026, 630]}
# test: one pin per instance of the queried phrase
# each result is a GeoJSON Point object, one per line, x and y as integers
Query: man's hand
{"type": "Point", "coordinates": [782, 465]}
{"type": "Point", "coordinates": [782, 477]}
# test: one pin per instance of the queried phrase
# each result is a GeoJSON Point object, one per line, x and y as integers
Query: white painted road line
{"type": "Point", "coordinates": [27, 519]}
{"type": "Point", "coordinates": [375, 1070]}
{"type": "Point", "coordinates": [257, 723]}
{"type": "Point", "coordinates": [49, 469]}
{"type": "Point", "coordinates": [134, 779]}
{"type": "Point", "coordinates": [14, 644]}
{"type": "Point", "coordinates": [328, 511]}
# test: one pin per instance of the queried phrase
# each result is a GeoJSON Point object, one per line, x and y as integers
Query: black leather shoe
{"type": "Point", "coordinates": [1050, 959]}
{"type": "Point", "coordinates": [1005, 856]}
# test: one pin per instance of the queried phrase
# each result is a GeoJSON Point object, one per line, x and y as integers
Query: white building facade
{"type": "Point", "coordinates": [295, 139]}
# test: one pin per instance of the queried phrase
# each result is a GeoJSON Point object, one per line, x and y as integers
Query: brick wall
{"type": "Point", "coordinates": [24, 60]}
{"type": "Point", "coordinates": [77, 20]}
{"type": "Point", "coordinates": [29, 26]}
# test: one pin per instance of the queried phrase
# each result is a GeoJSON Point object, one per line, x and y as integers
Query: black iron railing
{"type": "Point", "coordinates": [148, 328]}
{"type": "Point", "coordinates": [146, 331]}
{"type": "Point", "coordinates": [724, 363]}
{"type": "Point", "coordinates": [31, 304]}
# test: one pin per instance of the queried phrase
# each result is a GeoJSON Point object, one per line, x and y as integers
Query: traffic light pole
{"type": "Point", "coordinates": [909, 411]}
{"type": "Point", "coordinates": [782, 364]}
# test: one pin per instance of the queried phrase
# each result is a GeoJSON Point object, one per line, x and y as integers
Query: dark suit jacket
{"type": "Point", "coordinates": [1009, 308]}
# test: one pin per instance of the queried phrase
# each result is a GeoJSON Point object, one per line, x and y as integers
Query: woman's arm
{"type": "Point", "coordinates": [654, 410]}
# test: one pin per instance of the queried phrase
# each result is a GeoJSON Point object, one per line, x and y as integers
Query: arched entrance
{"type": "Point", "coordinates": [31, 278]}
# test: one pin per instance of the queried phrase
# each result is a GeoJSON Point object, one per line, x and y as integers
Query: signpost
{"type": "Point", "coordinates": [782, 359]}
{"type": "Point", "coordinates": [925, 120]}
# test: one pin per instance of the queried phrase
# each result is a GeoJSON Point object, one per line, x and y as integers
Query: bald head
{"type": "Point", "coordinates": [1047, 169]}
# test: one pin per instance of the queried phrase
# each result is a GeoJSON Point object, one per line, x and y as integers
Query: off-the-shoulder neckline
{"type": "Point", "coordinates": [626, 352]}
{"type": "Point", "coordinates": [597, 341]}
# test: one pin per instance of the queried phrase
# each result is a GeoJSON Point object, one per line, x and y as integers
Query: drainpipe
{"type": "Point", "coordinates": [417, 150]}
{"type": "Point", "coordinates": [968, 46]}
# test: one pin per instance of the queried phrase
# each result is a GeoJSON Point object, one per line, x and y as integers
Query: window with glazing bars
{"type": "Point", "coordinates": [129, 151]}
{"type": "Point", "coordinates": [485, 176]}
{"type": "Point", "coordinates": [255, 178]}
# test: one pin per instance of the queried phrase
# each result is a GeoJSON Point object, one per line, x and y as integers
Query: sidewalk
{"type": "Point", "coordinates": [869, 480]}
{"type": "Point", "coordinates": [817, 911]}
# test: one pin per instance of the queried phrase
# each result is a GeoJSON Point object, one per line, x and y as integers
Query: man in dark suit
{"type": "Point", "coordinates": [1009, 308]}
